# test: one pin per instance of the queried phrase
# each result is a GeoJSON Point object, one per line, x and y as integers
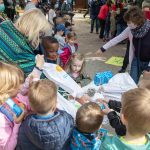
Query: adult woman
{"type": "Point", "coordinates": [138, 32]}
{"type": "Point", "coordinates": [18, 42]}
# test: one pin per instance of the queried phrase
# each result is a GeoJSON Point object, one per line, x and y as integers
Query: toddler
{"type": "Point", "coordinates": [51, 46]}
{"type": "Point", "coordinates": [88, 121]}
{"type": "Point", "coordinates": [11, 80]}
{"type": "Point", "coordinates": [135, 116]}
{"type": "Point", "coordinates": [11, 86]}
{"type": "Point", "coordinates": [76, 69]}
{"type": "Point", "coordinates": [60, 31]}
{"type": "Point", "coordinates": [48, 128]}
{"type": "Point", "coordinates": [70, 48]}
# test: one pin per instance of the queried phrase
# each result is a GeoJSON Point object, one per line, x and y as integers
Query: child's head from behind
{"type": "Point", "coordinates": [135, 111]}
{"type": "Point", "coordinates": [71, 37]}
{"type": "Point", "coordinates": [51, 47]}
{"type": "Point", "coordinates": [76, 63]}
{"type": "Point", "coordinates": [43, 97]}
{"type": "Point", "coordinates": [60, 29]}
{"type": "Point", "coordinates": [11, 80]}
{"type": "Point", "coordinates": [89, 118]}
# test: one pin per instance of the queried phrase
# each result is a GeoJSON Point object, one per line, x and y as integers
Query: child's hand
{"type": "Point", "coordinates": [84, 99]}
{"type": "Point", "coordinates": [19, 119]}
{"type": "Point", "coordinates": [39, 61]}
{"type": "Point", "coordinates": [106, 110]}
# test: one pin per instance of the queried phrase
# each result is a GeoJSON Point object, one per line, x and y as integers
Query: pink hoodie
{"type": "Point", "coordinates": [9, 130]}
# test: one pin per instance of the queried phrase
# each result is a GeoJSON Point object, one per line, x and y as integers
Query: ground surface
{"type": "Point", "coordinates": [90, 43]}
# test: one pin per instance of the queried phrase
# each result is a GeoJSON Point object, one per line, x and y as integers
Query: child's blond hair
{"type": "Point", "coordinates": [74, 57]}
{"type": "Point", "coordinates": [43, 96]}
{"type": "Point", "coordinates": [11, 79]}
{"type": "Point", "coordinates": [136, 108]}
{"type": "Point", "coordinates": [31, 24]}
{"type": "Point", "coordinates": [89, 118]}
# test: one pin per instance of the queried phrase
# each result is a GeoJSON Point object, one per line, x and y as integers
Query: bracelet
{"type": "Point", "coordinates": [38, 68]}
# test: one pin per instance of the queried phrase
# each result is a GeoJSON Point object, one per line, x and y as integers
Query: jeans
{"type": "Point", "coordinates": [126, 57]}
{"type": "Point", "coordinates": [120, 28]}
{"type": "Point", "coordinates": [92, 24]}
{"type": "Point", "coordinates": [137, 70]}
{"type": "Point", "coordinates": [102, 26]}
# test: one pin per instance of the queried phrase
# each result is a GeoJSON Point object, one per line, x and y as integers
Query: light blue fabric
{"type": "Point", "coordinates": [82, 141]}
{"type": "Point", "coordinates": [2, 7]}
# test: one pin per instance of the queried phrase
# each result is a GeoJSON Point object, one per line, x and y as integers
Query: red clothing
{"type": "Point", "coordinates": [114, 7]}
{"type": "Point", "coordinates": [147, 14]}
{"type": "Point", "coordinates": [103, 12]}
{"type": "Point", "coordinates": [65, 56]}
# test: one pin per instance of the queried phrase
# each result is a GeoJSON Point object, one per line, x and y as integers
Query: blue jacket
{"type": "Point", "coordinates": [47, 133]}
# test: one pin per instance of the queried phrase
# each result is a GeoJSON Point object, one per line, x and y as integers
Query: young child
{"type": "Point", "coordinates": [11, 80]}
{"type": "Point", "coordinates": [135, 116]}
{"type": "Point", "coordinates": [88, 121]}
{"type": "Point", "coordinates": [11, 86]}
{"type": "Point", "coordinates": [47, 128]}
{"type": "Point", "coordinates": [70, 48]}
{"type": "Point", "coordinates": [76, 67]}
{"type": "Point", "coordinates": [51, 46]}
{"type": "Point", "coordinates": [60, 31]}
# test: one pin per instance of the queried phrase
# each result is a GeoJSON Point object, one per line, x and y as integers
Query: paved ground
{"type": "Point", "coordinates": [90, 43]}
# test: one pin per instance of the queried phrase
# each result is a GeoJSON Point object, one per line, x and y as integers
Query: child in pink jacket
{"type": "Point", "coordinates": [11, 86]}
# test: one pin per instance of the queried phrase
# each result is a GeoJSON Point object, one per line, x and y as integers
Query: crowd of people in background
{"type": "Point", "coordinates": [31, 39]}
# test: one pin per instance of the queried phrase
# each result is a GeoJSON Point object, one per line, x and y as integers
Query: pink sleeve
{"type": "Point", "coordinates": [25, 86]}
{"type": "Point", "coordinates": [8, 134]}
{"type": "Point", "coordinates": [124, 35]}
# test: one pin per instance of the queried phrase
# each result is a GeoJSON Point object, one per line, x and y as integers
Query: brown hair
{"type": "Point", "coordinates": [76, 56]}
{"type": "Point", "coordinates": [71, 35]}
{"type": "Point", "coordinates": [135, 15]}
{"type": "Point", "coordinates": [136, 108]}
{"type": "Point", "coordinates": [43, 96]}
{"type": "Point", "coordinates": [89, 118]}
{"type": "Point", "coordinates": [11, 79]}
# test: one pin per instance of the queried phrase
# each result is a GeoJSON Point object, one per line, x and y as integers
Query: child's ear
{"type": "Point", "coordinates": [123, 119]}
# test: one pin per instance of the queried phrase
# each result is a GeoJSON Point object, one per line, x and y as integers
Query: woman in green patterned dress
{"type": "Point", "coordinates": [18, 41]}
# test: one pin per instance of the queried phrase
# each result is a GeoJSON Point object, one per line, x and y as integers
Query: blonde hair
{"type": "Point", "coordinates": [74, 57]}
{"type": "Point", "coordinates": [43, 96]}
{"type": "Point", "coordinates": [11, 78]}
{"type": "Point", "coordinates": [89, 118]}
{"type": "Point", "coordinates": [31, 24]}
{"type": "Point", "coordinates": [136, 108]}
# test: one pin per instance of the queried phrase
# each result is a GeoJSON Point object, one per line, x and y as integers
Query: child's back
{"type": "Point", "coordinates": [118, 143]}
{"type": "Point", "coordinates": [48, 128]}
{"type": "Point", "coordinates": [49, 133]}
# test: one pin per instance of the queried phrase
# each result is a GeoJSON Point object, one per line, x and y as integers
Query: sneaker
{"type": "Point", "coordinates": [91, 31]}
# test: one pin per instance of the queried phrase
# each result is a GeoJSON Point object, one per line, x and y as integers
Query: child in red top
{"type": "Point", "coordinates": [70, 48]}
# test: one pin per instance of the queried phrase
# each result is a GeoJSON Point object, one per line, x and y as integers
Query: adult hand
{"type": "Point", "coordinates": [98, 53]}
{"type": "Point", "coordinates": [39, 61]}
